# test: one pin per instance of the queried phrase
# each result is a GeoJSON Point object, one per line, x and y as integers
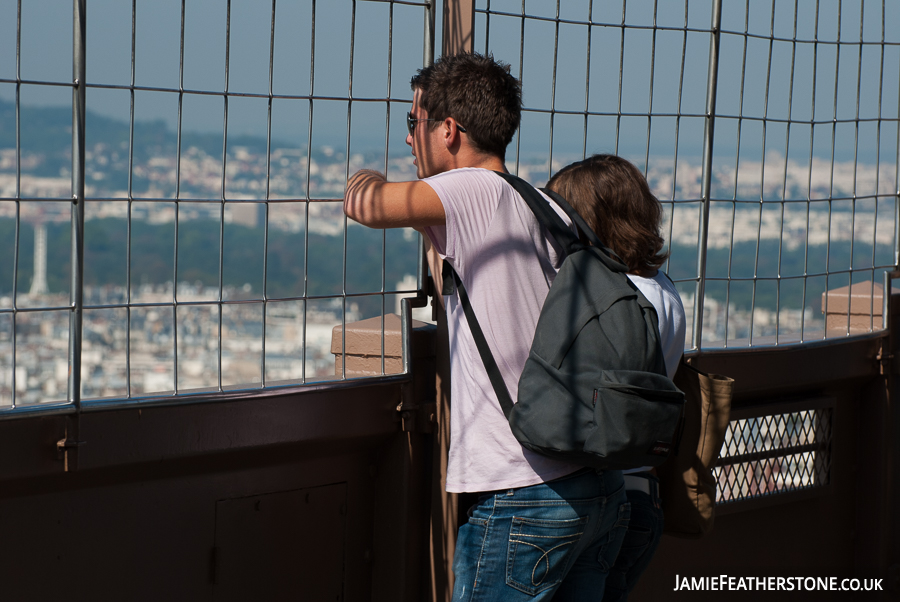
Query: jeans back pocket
{"type": "Point", "coordinates": [540, 552]}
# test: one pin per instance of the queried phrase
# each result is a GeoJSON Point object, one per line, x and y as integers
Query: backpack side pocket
{"type": "Point", "coordinates": [636, 415]}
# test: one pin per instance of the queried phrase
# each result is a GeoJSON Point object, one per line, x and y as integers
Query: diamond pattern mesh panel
{"type": "Point", "coordinates": [773, 454]}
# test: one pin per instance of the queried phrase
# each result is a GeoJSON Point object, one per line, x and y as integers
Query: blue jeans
{"type": "Point", "coordinates": [640, 543]}
{"type": "Point", "coordinates": [553, 540]}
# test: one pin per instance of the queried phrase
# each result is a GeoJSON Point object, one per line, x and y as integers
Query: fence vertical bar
{"type": "Point", "coordinates": [896, 200]}
{"type": "Point", "coordinates": [762, 183]}
{"type": "Point", "coordinates": [128, 229]}
{"type": "Point", "coordinates": [387, 146]}
{"type": "Point", "coordinates": [521, 81]}
{"type": "Point", "coordinates": [553, 91]}
{"type": "Point", "coordinates": [427, 61]}
{"type": "Point", "coordinates": [862, 10]}
{"type": "Point", "coordinates": [621, 75]}
{"type": "Point", "coordinates": [265, 280]}
{"type": "Point", "coordinates": [737, 169]}
{"type": "Point", "coordinates": [885, 294]}
{"type": "Point", "coordinates": [76, 300]}
{"type": "Point", "coordinates": [312, 89]}
{"type": "Point", "coordinates": [678, 106]}
{"type": "Point", "coordinates": [650, 99]}
{"type": "Point", "coordinates": [428, 46]}
{"type": "Point", "coordinates": [344, 220]}
{"type": "Point", "coordinates": [709, 131]}
{"type": "Point", "coordinates": [178, 142]}
{"type": "Point", "coordinates": [587, 78]}
{"type": "Point", "coordinates": [78, 117]}
{"type": "Point", "coordinates": [221, 304]}
{"type": "Point", "coordinates": [812, 139]}
{"type": "Point", "coordinates": [18, 234]}
{"type": "Point", "coordinates": [787, 154]}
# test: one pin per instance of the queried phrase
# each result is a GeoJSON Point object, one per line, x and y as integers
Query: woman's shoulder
{"type": "Point", "coordinates": [657, 285]}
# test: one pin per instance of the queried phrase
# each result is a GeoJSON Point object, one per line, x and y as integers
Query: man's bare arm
{"type": "Point", "coordinates": [373, 201]}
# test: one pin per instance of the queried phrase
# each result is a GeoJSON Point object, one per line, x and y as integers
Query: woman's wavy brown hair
{"type": "Point", "coordinates": [613, 197]}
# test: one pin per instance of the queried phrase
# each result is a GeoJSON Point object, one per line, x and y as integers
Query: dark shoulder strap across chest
{"type": "Point", "coordinates": [566, 238]}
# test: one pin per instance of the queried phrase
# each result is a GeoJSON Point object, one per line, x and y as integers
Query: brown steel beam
{"type": "Point", "coordinates": [459, 26]}
{"type": "Point", "coordinates": [458, 36]}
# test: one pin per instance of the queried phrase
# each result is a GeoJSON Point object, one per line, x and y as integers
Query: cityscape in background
{"type": "Point", "coordinates": [133, 352]}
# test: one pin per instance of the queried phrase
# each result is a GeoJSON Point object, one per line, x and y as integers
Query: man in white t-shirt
{"type": "Point", "coordinates": [542, 528]}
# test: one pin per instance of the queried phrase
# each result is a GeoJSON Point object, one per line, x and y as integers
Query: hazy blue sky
{"type": "Point", "coordinates": [838, 70]}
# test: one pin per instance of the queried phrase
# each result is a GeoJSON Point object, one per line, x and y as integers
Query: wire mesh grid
{"type": "Point", "coordinates": [201, 177]}
{"type": "Point", "coordinates": [775, 453]}
{"type": "Point", "coordinates": [769, 131]}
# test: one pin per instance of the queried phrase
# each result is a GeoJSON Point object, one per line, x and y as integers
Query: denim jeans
{"type": "Point", "coordinates": [553, 540]}
{"type": "Point", "coordinates": [640, 543]}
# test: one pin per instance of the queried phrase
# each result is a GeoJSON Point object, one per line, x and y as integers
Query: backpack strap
{"type": "Point", "coordinates": [545, 214]}
{"type": "Point", "coordinates": [567, 239]}
{"type": "Point", "coordinates": [490, 364]}
{"type": "Point", "coordinates": [576, 218]}
{"type": "Point", "coordinates": [554, 224]}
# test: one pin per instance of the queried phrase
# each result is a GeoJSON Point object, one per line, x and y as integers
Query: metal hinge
{"type": "Point", "coordinates": [888, 363]}
{"type": "Point", "coordinates": [417, 417]}
{"type": "Point", "coordinates": [63, 446]}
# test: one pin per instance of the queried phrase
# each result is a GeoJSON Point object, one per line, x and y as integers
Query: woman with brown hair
{"type": "Point", "coordinates": [613, 197]}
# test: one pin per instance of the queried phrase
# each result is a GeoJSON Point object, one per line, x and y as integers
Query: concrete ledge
{"type": "Point", "coordinates": [853, 309]}
{"type": "Point", "coordinates": [364, 347]}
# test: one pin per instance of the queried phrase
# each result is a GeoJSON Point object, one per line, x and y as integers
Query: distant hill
{"type": "Point", "coordinates": [152, 257]}
{"type": "Point", "coordinates": [48, 131]}
{"type": "Point", "coordinates": [744, 261]}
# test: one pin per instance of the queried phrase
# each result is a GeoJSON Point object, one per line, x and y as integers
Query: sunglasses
{"type": "Point", "coordinates": [411, 123]}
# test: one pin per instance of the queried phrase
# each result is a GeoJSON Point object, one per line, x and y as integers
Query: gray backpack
{"type": "Point", "coordinates": [594, 389]}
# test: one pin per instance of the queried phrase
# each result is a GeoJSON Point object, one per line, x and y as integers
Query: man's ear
{"type": "Point", "coordinates": [452, 138]}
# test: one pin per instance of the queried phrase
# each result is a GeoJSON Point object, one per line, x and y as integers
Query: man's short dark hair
{"type": "Point", "coordinates": [477, 91]}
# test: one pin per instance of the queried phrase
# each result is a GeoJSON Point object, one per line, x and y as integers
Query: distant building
{"type": "Point", "coordinates": [39, 282]}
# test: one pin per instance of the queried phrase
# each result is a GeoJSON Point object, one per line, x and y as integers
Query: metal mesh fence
{"type": "Point", "coordinates": [206, 145]}
{"type": "Point", "coordinates": [201, 185]}
{"type": "Point", "coordinates": [775, 453]}
{"type": "Point", "coordinates": [769, 130]}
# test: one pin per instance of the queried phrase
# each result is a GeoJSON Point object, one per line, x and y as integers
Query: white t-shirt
{"type": "Point", "coordinates": [495, 244]}
{"type": "Point", "coordinates": [660, 291]}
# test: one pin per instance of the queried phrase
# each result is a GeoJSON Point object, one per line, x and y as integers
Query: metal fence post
{"type": "Point", "coordinates": [428, 50]}
{"type": "Point", "coordinates": [78, 116]}
{"type": "Point", "coordinates": [709, 131]}
{"type": "Point", "coordinates": [79, 25]}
